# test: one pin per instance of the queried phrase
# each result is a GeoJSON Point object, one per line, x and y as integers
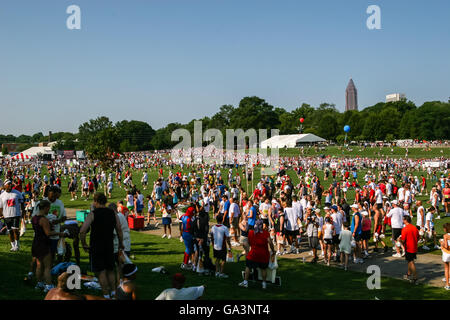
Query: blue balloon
{"type": "Point", "coordinates": [347, 128]}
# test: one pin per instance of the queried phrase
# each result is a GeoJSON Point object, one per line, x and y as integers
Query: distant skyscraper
{"type": "Point", "coordinates": [351, 97]}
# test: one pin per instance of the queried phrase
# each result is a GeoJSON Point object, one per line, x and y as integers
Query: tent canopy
{"type": "Point", "coordinates": [291, 140]}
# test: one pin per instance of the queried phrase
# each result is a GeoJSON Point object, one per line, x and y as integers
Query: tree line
{"type": "Point", "coordinates": [383, 121]}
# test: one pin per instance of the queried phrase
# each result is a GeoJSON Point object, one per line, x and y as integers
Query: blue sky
{"type": "Point", "coordinates": [164, 61]}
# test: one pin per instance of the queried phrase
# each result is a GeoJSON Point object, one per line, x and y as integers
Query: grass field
{"type": "Point", "coordinates": [299, 281]}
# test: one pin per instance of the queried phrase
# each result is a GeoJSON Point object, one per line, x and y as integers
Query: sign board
{"type": "Point", "coordinates": [432, 164]}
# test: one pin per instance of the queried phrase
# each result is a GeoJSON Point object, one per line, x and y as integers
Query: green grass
{"type": "Point", "coordinates": [299, 281]}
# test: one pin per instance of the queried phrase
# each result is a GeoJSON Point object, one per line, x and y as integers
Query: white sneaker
{"type": "Point", "coordinates": [397, 255]}
{"type": "Point", "coordinates": [181, 239]}
{"type": "Point", "coordinates": [437, 247]}
{"type": "Point", "coordinates": [403, 253]}
{"type": "Point", "coordinates": [40, 286]}
{"type": "Point", "coordinates": [164, 235]}
{"type": "Point", "coordinates": [264, 285]}
{"type": "Point", "coordinates": [157, 224]}
{"type": "Point", "coordinates": [243, 284]}
{"type": "Point", "coordinates": [169, 237]}
{"type": "Point", "coordinates": [278, 253]}
{"type": "Point", "coordinates": [223, 275]}
{"type": "Point", "coordinates": [437, 217]}
{"type": "Point", "coordinates": [424, 247]}
{"type": "Point", "coordinates": [447, 288]}
{"type": "Point", "coordinates": [444, 280]}
{"type": "Point", "coordinates": [360, 260]}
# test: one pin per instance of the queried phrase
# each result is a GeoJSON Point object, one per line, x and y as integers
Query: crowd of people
{"type": "Point", "coordinates": [268, 217]}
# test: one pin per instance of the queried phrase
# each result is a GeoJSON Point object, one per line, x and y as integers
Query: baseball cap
{"type": "Point", "coordinates": [395, 202]}
{"type": "Point", "coordinates": [326, 208]}
{"type": "Point", "coordinates": [354, 206]}
{"type": "Point", "coordinates": [334, 207]}
{"type": "Point", "coordinates": [7, 182]}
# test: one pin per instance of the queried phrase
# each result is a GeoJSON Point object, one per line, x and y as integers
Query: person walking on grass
{"type": "Point", "coordinates": [410, 239]}
{"type": "Point", "coordinates": [11, 208]}
{"type": "Point", "coordinates": [445, 247]}
{"type": "Point", "coordinates": [259, 255]}
{"type": "Point", "coordinates": [345, 245]}
{"type": "Point", "coordinates": [220, 237]}
{"type": "Point", "coordinates": [102, 222]}
{"type": "Point", "coordinates": [429, 228]}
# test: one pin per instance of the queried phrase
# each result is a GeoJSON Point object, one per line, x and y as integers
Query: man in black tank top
{"type": "Point", "coordinates": [102, 221]}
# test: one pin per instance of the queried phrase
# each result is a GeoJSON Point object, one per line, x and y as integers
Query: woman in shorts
{"type": "Point", "coordinates": [445, 246]}
{"type": "Point", "coordinates": [259, 255]}
{"type": "Point", "coordinates": [328, 232]}
{"type": "Point", "coordinates": [167, 220]}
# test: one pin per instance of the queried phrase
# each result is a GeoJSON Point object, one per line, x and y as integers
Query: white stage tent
{"type": "Point", "coordinates": [33, 152]}
{"type": "Point", "coordinates": [291, 141]}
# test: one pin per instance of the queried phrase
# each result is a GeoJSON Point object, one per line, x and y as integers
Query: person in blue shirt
{"type": "Point", "coordinates": [356, 229]}
{"type": "Point", "coordinates": [226, 211]}
{"type": "Point", "coordinates": [251, 214]}
{"type": "Point", "coordinates": [187, 221]}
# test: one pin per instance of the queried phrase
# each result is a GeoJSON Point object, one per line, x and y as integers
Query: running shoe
{"type": "Point", "coordinates": [40, 286]}
{"type": "Point", "coordinates": [447, 288]}
{"type": "Point", "coordinates": [437, 247]}
{"type": "Point", "coordinates": [243, 284]}
{"type": "Point", "coordinates": [397, 255]}
{"type": "Point", "coordinates": [169, 237]}
{"type": "Point", "coordinates": [264, 285]}
{"type": "Point", "coordinates": [223, 275]}
{"type": "Point", "coordinates": [157, 224]}
{"type": "Point", "coordinates": [164, 235]}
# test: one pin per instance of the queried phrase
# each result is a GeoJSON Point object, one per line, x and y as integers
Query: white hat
{"type": "Point", "coordinates": [7, 182]}
{"type": "Point", "coordinates": [354, 206]}
{"type": "Point", "coordinates": [326, 208]}
{"type": "Point", "coordinates": [395, 202]}
{"type": "Point", "coordinates": [365, 213]}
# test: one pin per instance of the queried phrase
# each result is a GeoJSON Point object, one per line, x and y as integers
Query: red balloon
{"type": "Point", "coordinates": [301, 120]}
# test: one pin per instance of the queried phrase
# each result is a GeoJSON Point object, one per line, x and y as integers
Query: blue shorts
{"type": "Point", "coordinates": [188, 242]}
{"type": "Point", "coordinates": [166, 221]}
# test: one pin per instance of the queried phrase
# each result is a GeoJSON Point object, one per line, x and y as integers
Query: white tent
{"type": "Point", "coordinates": [35, 151]}
{"type": "Point", "coordinates": [291, 141]}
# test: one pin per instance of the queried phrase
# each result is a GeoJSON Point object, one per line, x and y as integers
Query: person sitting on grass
{"type": "Point", "coordinates": [127, 288]}
{"type": "Point", "coordinates": [61, 292]}
{"type": "Point", "coordinates": [177, 292]}
{"type": "Point", "coordinates": [259, 255]}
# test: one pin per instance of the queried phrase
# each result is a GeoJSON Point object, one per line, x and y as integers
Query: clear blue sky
{"type": "Point", "coordinates": [164, 61]}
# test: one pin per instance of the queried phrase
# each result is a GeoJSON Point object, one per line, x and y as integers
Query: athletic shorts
{"type": "Point", "coordinates": [235, 223]}
{"type": "Point", "coordinates": [396, 232]}
{"type": "Point", "coordinates": [410, 256]}
{"type": "Point", "coordinates": [379, 229]}
{"type": "Point", "coordinates": [220, 254]}
{"type": "Point", "coordinates": [12, 223]}
{"type": "Point", "coordinates": [336, 239]}
{"type": "Point", "coordinates": [365, 235]}
{"type": "Point", "coordinates": [102, 261]}
{"type": "Point", "coordinates": [166, 221]}
{"type": "Point", "coordinates": [313, 242]}
{"type": "Point", "coordinates": [131, 208]}
{"type": "Point", "coordinates": [358, 237]}
{"type": "Point", "coordinates": [328, 241]}
{"type": "Point", "coordinates": [253, 264]}
{"type": "Point", "coordinates": [53, 246]}
{"type": "Point", "coordinates": [379, 206]}
{"type": "Point", "coordinates": [292, 233]}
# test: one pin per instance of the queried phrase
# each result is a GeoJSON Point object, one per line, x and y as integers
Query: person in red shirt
{"type": "Point", "coordinates": [410, 238]}
{"type": "Point", "coordinates": [259, 255]}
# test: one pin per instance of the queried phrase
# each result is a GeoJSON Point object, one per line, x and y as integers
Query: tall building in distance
{"type": "Point", "coordinates": [395, 97]}
{"type": "Point", "coordinates": [351, 97]}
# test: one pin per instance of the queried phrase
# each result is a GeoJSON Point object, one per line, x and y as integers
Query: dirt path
{"type": "Point", "coordinates": [430, 268]}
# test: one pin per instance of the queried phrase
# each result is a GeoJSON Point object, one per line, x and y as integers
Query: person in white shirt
{"type": "Point", "coordinates": [429, 228]}
{"type": "Point", "coordinates": [420, 223]}
{"type": "Point", "coordinates": [337, 219]}
{"type": "Point", "coordinates": [234, 214]}
{"type": "Point", "coordinates": [180, 293]}
{"type": "Point", "coordinates": [292, 225]}
{"type": "Point", "coordinates": [396, 214]}
{"type": "Point", "coordinates": [11, 208]}
{"type": "Point", "coordinates": [220, 237]}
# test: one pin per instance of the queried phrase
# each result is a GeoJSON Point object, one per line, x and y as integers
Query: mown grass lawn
{"type": "Point", "coordinates": [299, 281]}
